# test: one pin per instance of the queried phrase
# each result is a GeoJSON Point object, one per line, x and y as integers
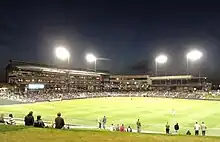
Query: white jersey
{"type": "Point", "coordinates": [197, 127]}
{"type": "Point", "coordinates": [203, 127]}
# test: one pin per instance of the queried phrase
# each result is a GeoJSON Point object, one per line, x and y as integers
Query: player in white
{"type": "Point", "coordinates": [196, 128]}
{"type": "Point", "coordinates": [203, 128]}
{"type": "Point", "coordinates": [173, 112]}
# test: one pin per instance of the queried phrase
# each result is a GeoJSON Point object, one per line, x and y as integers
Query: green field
{"type": "Point", "coordinates": [27, 134]}
{"type": "Point", "coordinates": [153, 112]}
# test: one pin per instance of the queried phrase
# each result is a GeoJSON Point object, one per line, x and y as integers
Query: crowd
{"type": "Point", "coordinates": [59, 123]}
{"type": "Point", "coordinates": [38, 96]}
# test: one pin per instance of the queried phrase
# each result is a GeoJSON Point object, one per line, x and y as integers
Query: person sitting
{"type": "Point", "coordinates": [39, 123]}
{"type": "Point", "coordinates": [188, 132]}
{"type": "Point", "coordinates": [129, 129]}
{"type": "Point", "coordinates": [122, 128]}
{"type": "Point", "coordinates": [29, 119]}
{"type": "Point", "coordinates": [11, 120]}
{"type": "Point", "coordinates": [117, 128]}
{"type": "Point", "coordinates": [59, 121]}
{"type": "Point", "coordinates": [2, 120]}
{"type": "Point", "coordinates": [112, 128]}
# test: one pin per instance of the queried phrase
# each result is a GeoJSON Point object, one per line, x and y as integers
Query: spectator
{"type": "Point", "coordinates": [39, 123]}
{"type": "Point", "coordinates": [117, 128]}
{"type": "Point", "coordinates": [29, 119]}
{"type": "Point", "coordinates": [11, 120]}
{"type": "Point", "coordinates": [196, 128]}
{"type": "Point", "coordinates": [112, 128]}
{"type": "Point", "coordinates": [167, 128]}
{"type": "Point", "coordinates": [129, 129]}
{"type": "Point", "coordinates": [2, 118]}
{"type": "Point", "coordinates": [122, 128]}
{"type": "Point", "coordinates": [99, 124]}
{"type": "Point", "coordinates": [59, 121]}
{"type": "Point", "coordinates": [138, 126]}
{"type": "Point", "coordinates": [176, 128]}
{"type": "Point", "coordinates": [188, 132]}
{"type": "Point", "coordinates": [104, 120]}
{"type": "Point", "coordinates": [203, 128]}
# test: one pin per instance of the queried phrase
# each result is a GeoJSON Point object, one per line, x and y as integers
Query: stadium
{"type": "Point", "coordinates": [83, 97]}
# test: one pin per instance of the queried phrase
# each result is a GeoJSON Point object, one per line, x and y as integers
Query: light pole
{"type": "Point", "coordinates": [161, 59]}
{"type": "Point", "coordinates": [92, 58]}
{"type": "Point", "coordinates": [62, 54]}
{"type": "Point", "coordinates": [193, 55]}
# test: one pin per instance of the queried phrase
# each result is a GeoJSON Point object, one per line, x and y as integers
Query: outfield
{"type": "Point", "coordinates": [153, 112]}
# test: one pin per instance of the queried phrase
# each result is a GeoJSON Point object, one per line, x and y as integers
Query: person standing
{"type": "Point", "coordinates": [2, 118]}
{"type": "Point", "coordinates": [196, 128]}
{"type": "Point", "coordinates": [167, 128]}
{"type": "Point", "coordinates": [203, 128]}
{"type": "Point", "coordinates": [176, 128]}
{"type": "Point", "coordinates": [104, 121]}
{"type": "Point", "coordinates": [59, 122]}
{"type": "Point", "coordinates": [99, 123]}
{"type": "Point", "coordinates": [138, 126]}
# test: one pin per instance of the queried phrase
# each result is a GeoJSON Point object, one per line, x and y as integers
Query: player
{"type": "Point", "coordinates": [173, 112]}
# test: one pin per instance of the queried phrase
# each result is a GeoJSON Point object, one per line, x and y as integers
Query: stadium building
{"type": "Point", "coordinates": [180, 83]}
{"type": "Point", "coordinates": [146, 82]}
{"type": "Point", "coordinates": [130, 82]}
{"type": "Point", "coordinates": [39, 77]}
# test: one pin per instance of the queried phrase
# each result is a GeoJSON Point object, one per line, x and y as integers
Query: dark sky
{"type": "Point", "coordinates": [131, 33]}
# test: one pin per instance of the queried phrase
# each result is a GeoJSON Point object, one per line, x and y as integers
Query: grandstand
{"type": "Point", "coordinates": [130, 82]}
{"type": "Point", "coordinates": [180, 82]}
{"type": "Point", "coordinates": [40, 77]}
{"type": "Point", "coordinates": [146, 82]}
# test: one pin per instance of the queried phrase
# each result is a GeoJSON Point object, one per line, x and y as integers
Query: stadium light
{"type": "Point", "coordinates": [92, 58]}
{"type": "Point", "coordinates": [193, 55]}
{"type": "Point", "coordinates": [161, 59]}
{"type": "Point", "coordinates": [62, 53]}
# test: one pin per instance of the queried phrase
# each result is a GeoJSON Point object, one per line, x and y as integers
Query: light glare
{"type": "Point", "coordinates": [161, 59]}
{"type": "Point", "coordinates": [194, 55]}
{"type": "Point", "coordinates": [62, 53]}
{"type": "Point", "coordinates": [90, 58]}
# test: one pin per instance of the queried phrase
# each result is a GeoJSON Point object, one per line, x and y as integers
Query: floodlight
{"type": "Point", "coordinates": [90, 58]}
{"type": "Point", "coordinates": [194, 55]}
{"type": "Point", "coordinates": [62, 53]}
{"type": "Point", "coordinates": [161, 59]}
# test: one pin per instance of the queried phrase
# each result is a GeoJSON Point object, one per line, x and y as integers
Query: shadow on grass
{"type": "Point", "coordinates": [9, 128]}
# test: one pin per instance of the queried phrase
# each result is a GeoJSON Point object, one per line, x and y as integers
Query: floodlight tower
{"type": "Point", "coordinates": [92, 58]}
{"type": "Point", "coordinates": [62, 53]}
{"type": "Point", "coordinates": [193, 56]}
{"type": "Point", "coordinates": [161, 59]}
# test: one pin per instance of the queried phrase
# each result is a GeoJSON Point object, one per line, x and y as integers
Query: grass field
{"type": "Point", "coordinates": [153, 112]}
{"type": "Point", "coordinates": [27, 134]}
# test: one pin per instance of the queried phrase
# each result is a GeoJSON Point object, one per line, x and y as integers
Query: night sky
{"type": "Point", "coordinates": [130, 33]}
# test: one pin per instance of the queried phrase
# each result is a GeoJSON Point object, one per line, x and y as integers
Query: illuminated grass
{"type": "Point", "coordinates": [153, 112]}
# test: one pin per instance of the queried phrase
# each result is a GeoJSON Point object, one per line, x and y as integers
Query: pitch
{"type": "Point", "coordinates": [152, 112]}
